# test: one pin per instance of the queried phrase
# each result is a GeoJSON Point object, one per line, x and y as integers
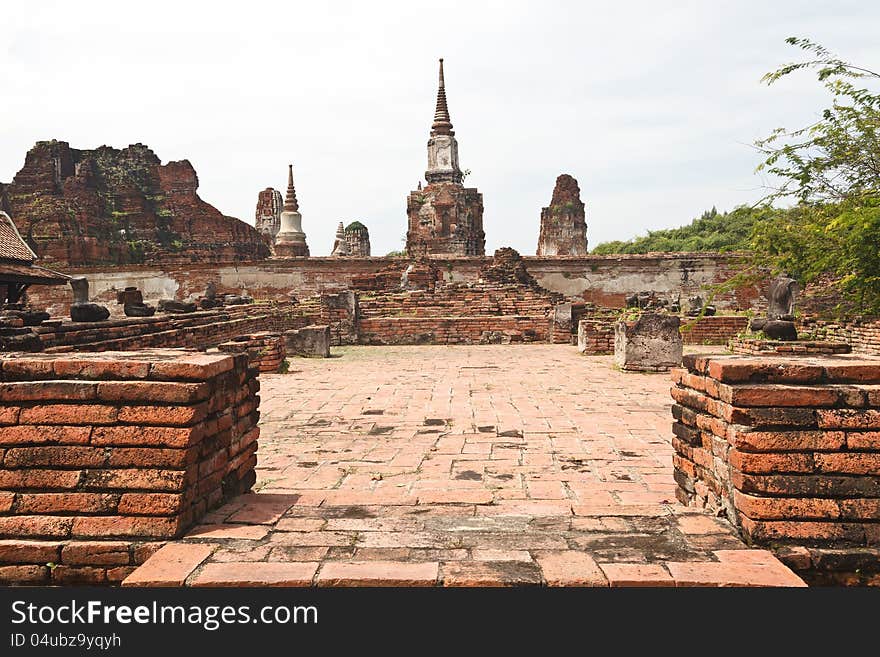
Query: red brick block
{"type": "Point", "coordinates": [47, 391]}
{"type": "Point", "coordinates": [125, 527]}
{"type": "Point", "coordinates": [845, 418]}
{"type": "Point", "coordinates": [175, 416]}
{"type": "Point", "coordinates": [82, 368]}
{"type": "Point", "coordinates": [37, 478]}
{"type": "Point", "coordinates": [9, 414]}
{"type": "Point", "coordinates": [689, 398]}
{"type": "Point", "coordinates": [771, 463]}
{"type": "Point", "coordinates": [857, 463]}
{"type": "Point", "coordinates": [860, 509]}
{"type": "Point", "coordinates": [151, 457]}
{"type": "Point", "coordinates": [64, 574]}
{"type": "Point", "coordinates": [51, 526]}
{"type": "Point", "coordinates": [134, 479]}
{"type": "Point", "coordinates": [24, 574]}
{"type": "Point", "coordinates": [35, 434]}
{"type": "Point", "coordinates": [68, 414]}
{"type": "Point", "coordinates": [786, 441]}
{"type": "Point", "coordinates": [153, 391]}
{"type": "Point", "coordinates": [778, 395]}
{"type": "Point", "coordinates": [769, 370]}
{"type": "Point", "coordinates": [148, 436]}
{"type": "Point", "coordinates": [785, 508]}
{"type": "Point", "coordinates": [853, 372]}
{"type": "Point", "coordinates": [260, 573]}
{"type": "Point", "coordinates": [806, 485]}
{"type": "Point", "coordinates": [150, 504]}
{"type": "Point", "coordinates": [20, 551]}
{"type": "Point", "coordinates": [117, 574]}
{"type": "Point", "coordinates": [95, 553]}
{"type": "Point", "coordinates": [763, 531]}
{"type": "Point", "coordinates": [637, 574]}
{"type": "Point", "coordinates": [863, 440]}
{"type": "Point", "coordinates": [66, 503]}
{"type": "Point", "coordinates": [66, 457]}
{"type": "Point", "coordinates": [570, 568]}
{"type": "Point", "coordinates": [26, 368]}
{"type": "Point", "coordinates": [192, 367]}
{"type": "Point", "coordinates": [170, 565]}
{"type": "Point", "coordinates": [143, 551]}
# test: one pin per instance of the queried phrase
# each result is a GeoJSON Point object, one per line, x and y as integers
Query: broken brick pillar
{"type": "Point", "coordinates": [788, 448]}
{"type": "Point", "coordinates": [265, 350]}
{"type": "Point", "coordinates": [104, 457]}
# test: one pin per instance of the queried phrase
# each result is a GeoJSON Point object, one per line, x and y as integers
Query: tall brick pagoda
{"type": "Point", "coordinates": [445, 217]}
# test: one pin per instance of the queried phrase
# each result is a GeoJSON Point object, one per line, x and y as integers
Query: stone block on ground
{"type": "Point", "coordinates": [651, 343]}
{"type": "Point", "coordinates": [310, 341]}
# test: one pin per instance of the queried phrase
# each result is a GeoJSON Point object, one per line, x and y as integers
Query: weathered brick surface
{"type": "Point", "coordinates": [863, 336]}
{"type": "Point", "coordinates": [108, 453]}
{"type": "Point", "coordinates": [788, 447]}
{"type": "Point", "coordinates": [478, 313]}
{"type": "Point", "coordinates": [265, 351]}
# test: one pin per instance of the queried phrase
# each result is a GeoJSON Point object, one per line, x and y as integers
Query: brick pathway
{"type": "Point", "coordinates": [462, 466]}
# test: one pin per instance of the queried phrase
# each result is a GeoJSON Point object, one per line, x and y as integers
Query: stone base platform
{"type": "Point", "coordinates": [463, 466]}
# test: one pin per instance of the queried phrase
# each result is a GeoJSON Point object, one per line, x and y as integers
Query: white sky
{"type": "Point", "coordinates": [650, 105]}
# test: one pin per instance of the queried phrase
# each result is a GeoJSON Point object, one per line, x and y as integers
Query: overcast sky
{"type": "Point", "coordinates": [650, 105]}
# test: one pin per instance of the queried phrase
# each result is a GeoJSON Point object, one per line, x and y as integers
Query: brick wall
{"type": "Point", "coordinates": [265, 350]}
{"type": "Point", "coordinates": [603, 280]}
{"type": "Point", "coordinates": [484, 313]}
{"type": "Point", "coordinates": [789, 450]}
{"type": "Point", "coordinates": [756, 347]}
{"type": "Point", "coordinates": [198, 330]}
{"type": "Point", "coordinates": [717, 329]}
{"type": "Point", "coordinates": [453, 330]}
{"type": "Point", "coordinates": [596, 333]}
{"type": "Point", "coordinates": [862, 335]}
{"type": "Point", "coordinates": [596, 336]}
{"type": "Point", "coordinates": [103, 457]}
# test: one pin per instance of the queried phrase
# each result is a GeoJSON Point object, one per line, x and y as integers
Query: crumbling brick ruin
{"type": "Point", "coordinates": [787, 448]}
{"type": "Point", "coordinates": [267, 218]}
{"type": "Point", "coordinates": [107, 456]}
{"type": "Point", "coordinates": [563, 223]}
{"type": "Point", "coordinates": [109, 206]}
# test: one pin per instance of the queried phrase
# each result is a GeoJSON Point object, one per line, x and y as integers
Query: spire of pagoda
{"type": "Point", "coordinates": [290, 204]}
{"type": "Point", "coordinates": [442, 123]}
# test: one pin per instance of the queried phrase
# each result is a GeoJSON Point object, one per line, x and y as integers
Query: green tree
{"type": "Point", "coordinates": [837, 157]}
{"type": "Point", "coordinates": [832, 169]}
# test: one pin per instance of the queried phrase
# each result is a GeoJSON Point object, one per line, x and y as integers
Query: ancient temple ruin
{"type": "Point", "coordinates": [358, 237]}
{"type": "Point", "coordinates": [340, 244]}
{"type": "Point", "coordinates": [563, 224]}
{"type": "Point", "coordinates": [445, 217]}
{"type": "Point", "coordinates": [290, 242]}
{"type": "Point", "coordinates": [268, 215]}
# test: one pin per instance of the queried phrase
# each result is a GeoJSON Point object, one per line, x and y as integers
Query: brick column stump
{"type": "Point", "coordinates": [104, 457]}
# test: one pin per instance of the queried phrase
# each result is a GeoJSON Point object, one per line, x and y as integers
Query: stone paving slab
{"type": "Point", "coordinates": [520, 465]}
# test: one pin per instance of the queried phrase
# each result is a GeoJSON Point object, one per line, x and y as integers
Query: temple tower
{"type": "Point", "coordinates": [358, 237]}
{"type": "Point", "coordinates": [290, 242]}
{"type": "Point", "coordinates": [268, 214]}
{"type": "Point", "coordinates": [445, 217]}
{"type": "Point", "coordinates": [563, 222]}
{"type": "Point", "coordinates": [340, 244]}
